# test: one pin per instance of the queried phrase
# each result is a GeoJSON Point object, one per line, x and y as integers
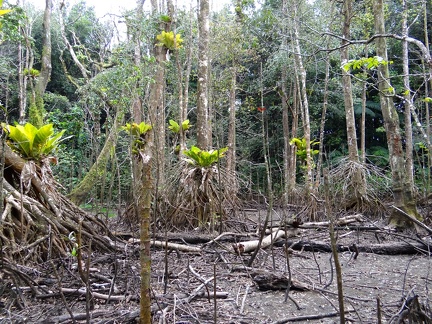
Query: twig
{"type": "Point", "coordinates": [308, 317]}
{"type": "Point", "coordinates": [71, 316]}
{"type": "Point", "coordinates": [214, 294]}
{"type": "Point", "coordinates": [244, 299]}
{"type": "Point", "coordinates": [204, 284]}
{"type": "Point", "coordinates": [82, 292]}
{"type": "Point", "coordinates": [331, 273]}
{"type": "Point", "coordinates": [379, 315]}
{"type": "Point", "coordinates": [42, 239]}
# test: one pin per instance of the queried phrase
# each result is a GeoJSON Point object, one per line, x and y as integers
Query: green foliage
{"type": "Point", "coordinates": [31, 142]}
{"type": "Point", "coordinates": [138, 133]}
{"type": "Point", "coordinates": [33, 73]}
{"type": "Point", "coordinates": [421, 146]}
{"type": "Point", "coordinates": [137, 130]}
{"type": "Point", "coordinates": [167, 39]}
{"type": "Point", "coordinates": [165, 18]}
{"type": "Point", "coordinates": [10, 22]}
{"type": "Point", "coordinates": [427, 100]}
{"type": "Point", "coordinates": [379, 156]}
{"type": "Point", "coordinates": [300, 143]}
{"type": "Point", "coordinates": [204, 159]}
{"type": "Point", "coordinates": [368, 63]}
{"type": "Point", "coordinates": [175, 127]}
{"type": "Point", "coordinates": [37, 111]}
{"type": "Point", "coordinates": [3, 11]}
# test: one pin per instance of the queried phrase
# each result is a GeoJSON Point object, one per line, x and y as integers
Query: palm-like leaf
{"type": "Point", "coordinates": [203, 158]}
{"type": "Point", "coordinates": [174, 126]}
{"type": "Point", "coordinates": [31, 142]}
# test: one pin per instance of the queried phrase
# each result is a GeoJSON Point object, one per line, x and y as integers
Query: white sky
{"type": "Point", "coordinates": [103, 7]}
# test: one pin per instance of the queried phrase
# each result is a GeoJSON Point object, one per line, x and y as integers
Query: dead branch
{"type": "Point", "coordinates": [308, 317]}
{"type": "Point", "coordinates": [276, 281]}
{"type": "Point", "coordinates": [339, 222]}
{"type": "Point", "coordinates": [169, 246]}
{"type": "Point", "coordinates": [387, 249]}
{"type": "Point", "coordinates": [413, 219]}
{"type": "Point", "coordinates": [82, 292]}
{"type": "Point", "coordinates": [249, 246]}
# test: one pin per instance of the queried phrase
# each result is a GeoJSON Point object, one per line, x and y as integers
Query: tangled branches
{"type": "Point", "coordinates": [359, 186]}
{"type": "Point", "coordinates": [199, 196]}
{"type": "Point", "coordinates": [37, 221]}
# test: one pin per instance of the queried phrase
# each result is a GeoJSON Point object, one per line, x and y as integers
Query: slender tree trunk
{"type": "Point", "coordinates": [301, 71]}
{"type": "Point", "coordinates": [402, 193]}
{"type": "Point", "coordinates": [322, 124]}
{"type": "Point", "coordinates": [203, 140]}
{"type": "Point", "coordinates": [143, 188]}
{"type": "Point", "coordinates": [137, 101]}
{"type": "Point", "coordinates": [346, 84]}
{"type": "Point", "coordinates": [46, 66]}
{"type": "Point", "coordinates": [409, 161]}
{"type": "Point", "coordinates": [294, 130]}
{"type": "Point", "coordinates": [184, 95]}
{"type": "Point", "coordinates": [231, 154]}
{"type": "Point", "coordinates": [37, 111]}
{"type": "Point", "coordinates": [286, 135]}
{"type": "Point", "coordinates": [22, 85]}
{"type": "Point", "coordinates": [428, 85]}
{"type": "Point", "coordinates": [363, 124]}
{"type": "Point", "coordinates": [157, 101]}
{"type": "Point", "coordinates": [285, 119]}
{"type": "Point", "coordinates": [143, 181]}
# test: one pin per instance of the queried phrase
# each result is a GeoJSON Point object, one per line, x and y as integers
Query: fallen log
{"type": "Point", "coordinates": [339, 222]}
{"type": "Point", "coordinates": [386, 248]}
{"type": "Point", "coordinates": [307, 318]}
{"type": "Point", "coordinates": [82, 292]}
{"type": "Point", "coordinates": [249, 246]}
{"type": "Point", "coordinates": [276, 281]}
{"type": "Point", "coordinates": [169, 246]}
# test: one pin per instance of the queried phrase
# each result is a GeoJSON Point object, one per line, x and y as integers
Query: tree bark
{"type": "Point", "coordinates": [36, 110]}
{"type": "Point", "coordinates": [301, 72]}
{"type": "Point", "coordinates": [203, 140]}
{"type": "Point", "coordinates": [289, 155]}
{"type": "Point", "coordinates": [231, 143]}
{"type": "Point", "coordinates": [402, 192]}
{"type": "Point", "coordinates": [137, 101]}
{"type": "Point", "coordinates": [409, 161]}
{"type": "Point", "coordinates": [346, 84]}
{"type": "Point", "coordinates": [46, 66]}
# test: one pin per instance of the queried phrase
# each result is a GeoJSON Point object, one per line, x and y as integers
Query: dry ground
{"type": "Point", "coordinates": [392, 278]}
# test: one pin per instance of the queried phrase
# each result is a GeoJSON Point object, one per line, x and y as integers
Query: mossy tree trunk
{"type": "Point", "coordinates": [37, 110]}
{"type": "Point", "coordinates": [97, 170]}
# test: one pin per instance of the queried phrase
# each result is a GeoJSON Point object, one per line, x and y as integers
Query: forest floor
{"type": "Point", "coordinates": [57, 289]}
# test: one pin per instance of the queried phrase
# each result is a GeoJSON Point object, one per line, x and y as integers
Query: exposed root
{"type": "Point", "coordinates": [199, 197]}
{"type": "Point", "coordinates": [37, 222]}
{"type": "Point", "coordinates": [359, 186]}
